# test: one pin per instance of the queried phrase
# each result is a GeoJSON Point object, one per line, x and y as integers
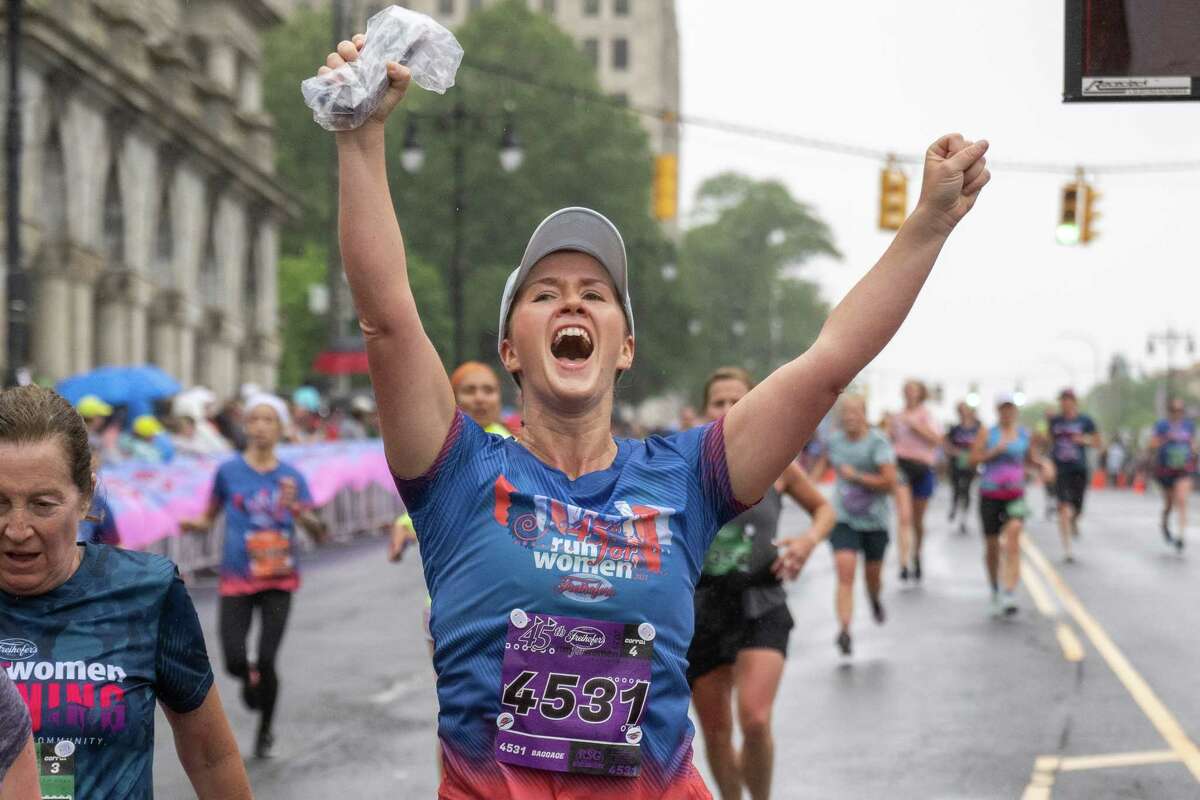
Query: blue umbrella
{"type": "Point", "coordinates": [134, 387]}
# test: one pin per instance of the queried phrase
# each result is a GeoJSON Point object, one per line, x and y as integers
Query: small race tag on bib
{"type": "Point", "coordinates": [56, 770]}
{"type": "Point", "coordinates": [574, 692]}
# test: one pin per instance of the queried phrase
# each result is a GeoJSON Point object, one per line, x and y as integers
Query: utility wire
{"type": "Point", "coordinates": [825, 145]}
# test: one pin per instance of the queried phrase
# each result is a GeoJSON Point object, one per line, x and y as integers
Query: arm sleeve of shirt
{"type": "Point", "coordinates": [435, 499]}
{"type": "Point", "coordinates": [1161, 427]}
{"type": "Point", "coordinates": [714, 473]}
{"type": "Point", "coordinates": [220, 489]}
{"type": "Point", "coordinates": [184, 674]}
{"type": "Point", "coordinates": [1089, 425]}
{"type": "Point", "coordinates": [884, 452]}
{"type": "Point", "coordinates": [14, 724]}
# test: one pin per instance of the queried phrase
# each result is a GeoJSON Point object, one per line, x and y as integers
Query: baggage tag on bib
{"type": "Point", "coordinates": [56, 770]}
{"type": "Point", "coordinates": [574, 692]}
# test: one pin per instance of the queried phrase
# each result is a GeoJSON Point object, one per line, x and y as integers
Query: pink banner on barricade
{"type": "Point", "coordinates": [149, 500]}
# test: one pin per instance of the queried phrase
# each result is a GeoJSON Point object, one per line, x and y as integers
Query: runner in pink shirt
{"type": "Point", "coordinates": [915, 436]}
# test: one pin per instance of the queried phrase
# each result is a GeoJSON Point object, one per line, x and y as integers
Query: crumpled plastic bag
{"type": "Point", "coordinates": [345, 98]}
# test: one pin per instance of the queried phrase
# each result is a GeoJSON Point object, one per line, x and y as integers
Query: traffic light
{"type": "Point", "coordinates": [893, 198]}
{"type": "Point", "coordinates": [666, 187]}
{"type": "Point", "coordinates": [1087, 229]}
{"type": "Point", "coordinates": [1067, 231]}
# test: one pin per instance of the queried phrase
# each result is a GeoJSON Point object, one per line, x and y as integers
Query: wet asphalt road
{"type": "Point", "coordinates": [942, 702]}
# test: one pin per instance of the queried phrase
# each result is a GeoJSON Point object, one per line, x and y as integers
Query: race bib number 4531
{"type": "Point", "coordinates": [574, 694]}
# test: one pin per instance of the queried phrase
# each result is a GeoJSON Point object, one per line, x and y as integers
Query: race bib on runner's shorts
{"type": "Point", "coordinates": [573, 695]}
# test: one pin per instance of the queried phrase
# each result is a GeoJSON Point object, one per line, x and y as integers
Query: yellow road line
{"type": "Point", "coordinates": [1042, 779]}
{"type": "Point", "coordinates": [1037, 590]}
{"type": "Point", "coordinates": [1071, 646]}
{"type": "Point", "coordinates": [1162, 719]}
{"type": "Point", "coordinates": [1046, 768]}
{"type": "Point", "coordinates": [1077, 763]}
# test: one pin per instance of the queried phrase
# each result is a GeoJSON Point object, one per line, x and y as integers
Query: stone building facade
{"type": "Point", "coordinates": [149, 212]}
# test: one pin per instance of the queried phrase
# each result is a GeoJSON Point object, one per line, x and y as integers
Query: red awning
{"type": "Point", "coordinates": [341, 362]}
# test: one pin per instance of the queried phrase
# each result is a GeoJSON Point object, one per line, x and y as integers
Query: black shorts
{"type": "Point", "coordinates": [723, 631]}
{"type": "Point", "coordinates": [873, 544]}
{"type": "Point", "coordinates": [1168, 478]}
{"type": "Point", "coordinates": [996, 513]}
{"type": "Point", "coordinates": [1070, 486]}
{"type": "Point", "coordinates": [918, 476]}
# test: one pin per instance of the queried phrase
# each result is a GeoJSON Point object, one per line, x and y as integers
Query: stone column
{"type": "Point", "coordinates": [51, 316]}
{"type": "Point", "coordinates": [82, 271]}
{"type": "Point", "coordinates": [113, 302]}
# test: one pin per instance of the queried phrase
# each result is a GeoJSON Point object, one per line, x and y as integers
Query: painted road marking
{"type": "Point", "coordinates": [1037, 590]}
{"type": "Point", "coordinates": [1077, 763]}
{"type": "Point", "coordinates": [1046, 768]}
{"type": "Point", "coordinates": [1072, 648]}
{"type": "Point", "coordinates": [1162, 719]}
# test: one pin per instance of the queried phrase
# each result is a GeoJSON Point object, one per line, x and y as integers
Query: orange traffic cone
{"type": "Point", "coordinates": [1139, 484]}
{"type": "Point", "coordinates": [1099, 479]}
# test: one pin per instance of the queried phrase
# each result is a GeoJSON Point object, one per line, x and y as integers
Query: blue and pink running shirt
{"type": "Point", "coordinates": [562, 611]}
{"type": "Point", "coordinates": [91, 660]}
{"type": "Point", "coordinates": [260, 534]}
{"type": "Point", "coordinates": [1175, 453]}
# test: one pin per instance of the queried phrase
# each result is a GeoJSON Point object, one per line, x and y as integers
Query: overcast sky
{"type": "Point", "coordinates": [1005, 304]}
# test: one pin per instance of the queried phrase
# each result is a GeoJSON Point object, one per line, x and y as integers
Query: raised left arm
{"type": "Point", "coordinates": [208, 752]}
{"type": "Point", "coordinates": [767, 428]}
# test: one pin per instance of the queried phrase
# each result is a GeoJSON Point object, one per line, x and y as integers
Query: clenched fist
{"type": "Point", "coordinates": [398, 75]}
{"type": "Point", "coordinates": [955, 172]}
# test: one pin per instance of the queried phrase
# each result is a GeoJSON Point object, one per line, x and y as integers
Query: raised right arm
{"type": "Point", "coordinates": [416, 403]}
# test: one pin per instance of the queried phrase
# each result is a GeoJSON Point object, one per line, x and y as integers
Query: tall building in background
{"type": "Point", "coordinates": [634, 45]}
{"type": "Point", "coordinates": [149, 210]}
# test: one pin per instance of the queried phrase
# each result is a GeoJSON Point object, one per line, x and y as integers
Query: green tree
{"type": "Point", "coordinates": [580, 149]}
{"type": "Point", "coordinates": [741, 266]}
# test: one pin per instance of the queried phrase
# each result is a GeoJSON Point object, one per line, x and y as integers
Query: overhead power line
{"type": "Point", "coordinates": [847, 149]}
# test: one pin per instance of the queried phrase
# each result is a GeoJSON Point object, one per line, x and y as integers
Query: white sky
{"type": "Point", "coordinates": [1004, 299]}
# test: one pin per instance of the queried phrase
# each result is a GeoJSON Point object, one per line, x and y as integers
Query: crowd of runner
{"type": "Point", "coordinates": [585, 588]}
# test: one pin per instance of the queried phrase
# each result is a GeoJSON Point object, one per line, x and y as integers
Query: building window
{"type": "Point", "coordinates": [620, 53]}
{"type": "Point", "coordinates": [446, 8]}
{"type": "Point", "coordinates": [621, 8]}
{"type": "Point", "coordinates": [548, 7]}
{"type": "Point", "coordinates": [591, 49]}
{"type": "Point", "coordinates": [591, 8]}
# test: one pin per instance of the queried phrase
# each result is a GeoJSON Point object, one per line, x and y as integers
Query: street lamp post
{"type": "Point", "coordinates": [1169, 340]}
{"type": "Point", "coordinates": [16, 278]}
{"type": "Point", "coordinates": [412, 158]}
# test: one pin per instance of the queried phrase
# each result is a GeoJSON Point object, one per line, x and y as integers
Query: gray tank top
{"type": "Point", "coordinates": [741, 556]}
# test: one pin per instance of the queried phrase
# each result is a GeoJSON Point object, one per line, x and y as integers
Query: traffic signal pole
{"type": "Point", "coordinates": [17, 287]}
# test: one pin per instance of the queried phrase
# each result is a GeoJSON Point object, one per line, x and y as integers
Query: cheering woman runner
{"type": "Point", "coordinates": [562, 565]}
{"type": "Point", "coordinates": [742, 617]}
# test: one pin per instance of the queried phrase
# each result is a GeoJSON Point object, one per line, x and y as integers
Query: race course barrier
{"type": "Point", "coordinates": [350, 483]}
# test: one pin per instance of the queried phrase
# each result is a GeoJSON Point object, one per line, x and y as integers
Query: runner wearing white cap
{"type": "Point", "coordinates": [562, 565]}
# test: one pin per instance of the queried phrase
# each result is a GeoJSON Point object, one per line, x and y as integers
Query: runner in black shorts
{"type": "Point", "coordinates": [866, 470]}
{"type": "Point", "coordinates": [1003, 451]}
{"type": "Point", "coordinates": [1071, 433]}
{"type": "Point", "coordinates": [958, 443]}
{"type": "Point", "coordinates": [1174, 447]}
{"type": "Point", "coordinates": [742, 618]}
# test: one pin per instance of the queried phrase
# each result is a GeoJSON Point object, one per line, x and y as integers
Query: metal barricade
{"type": "Point", "coordinates": [350, 515]}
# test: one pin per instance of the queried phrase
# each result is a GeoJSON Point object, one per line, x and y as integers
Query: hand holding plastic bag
{"type": "Point", "coordinates": [344, 98]}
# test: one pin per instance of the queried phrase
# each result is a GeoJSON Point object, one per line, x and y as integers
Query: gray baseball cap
{"type": "Point", "coordinates": [574, 228]}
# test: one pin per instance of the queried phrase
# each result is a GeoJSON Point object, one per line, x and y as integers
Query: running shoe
{"type": "Point", "coordinates": [264, 745]}
{"type": "Point", "coordinates": [1010, 604]}
{"type": "Point", "coordinates": [1179, 545]}
{"type": "Point", "coordinates": [962, 528]}
{"type": "Point", "coordinates": [916, 571]}
{"type": "Point", "coordinates": [1166, 531]}
{"type": "Point", "coordinates": [878, 611]}
{"type": "Point", "coordinates": [843, 643]}
{"type": "Point", "coordinates": [997, 606]}
{"type": "Point", "coordinates": [250, 689]}
{"type": "Point", "coordinates": [1069, 559]}
{"type": "Point", "coordinates": [904, 573]}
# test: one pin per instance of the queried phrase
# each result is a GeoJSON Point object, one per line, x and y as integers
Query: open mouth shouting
{"type": "Point", "coordinates": [571, 346]}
